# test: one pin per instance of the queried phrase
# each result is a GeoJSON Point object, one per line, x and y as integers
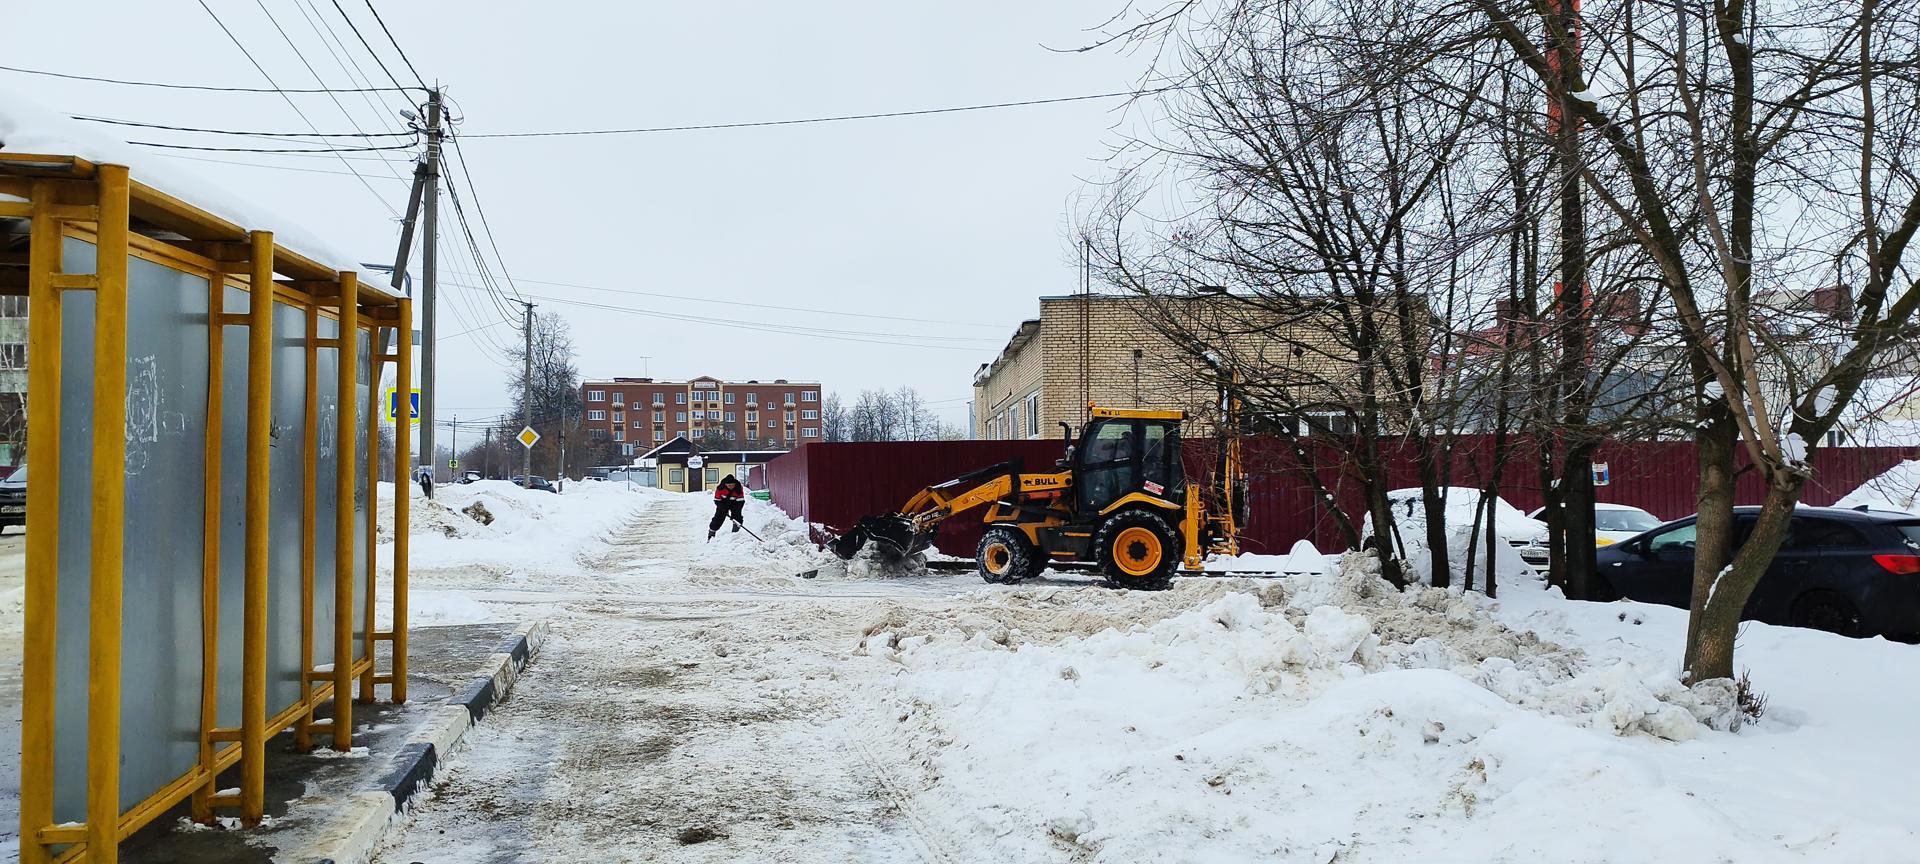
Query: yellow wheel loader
{"type": "Point", "coordinates": [1120, 501]}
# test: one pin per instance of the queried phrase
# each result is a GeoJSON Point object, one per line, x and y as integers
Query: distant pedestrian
{"type": "Point", "coordinates": [424, 477]}
{"type": "Point", "coordinates": [729, 502]}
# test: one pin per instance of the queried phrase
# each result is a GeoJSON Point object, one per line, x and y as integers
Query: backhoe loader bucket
{"type": "Point", "coordinates": [894, 532]}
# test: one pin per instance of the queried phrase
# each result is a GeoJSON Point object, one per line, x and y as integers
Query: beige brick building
{"type": "Point", "coordinates": [1039, 379]}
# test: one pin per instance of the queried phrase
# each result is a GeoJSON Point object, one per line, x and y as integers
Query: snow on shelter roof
{"type": "Point", "coordinates": [33, 137]}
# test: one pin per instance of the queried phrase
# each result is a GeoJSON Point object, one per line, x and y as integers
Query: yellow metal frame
{"type": "Point", "coordinates": [65, 196]}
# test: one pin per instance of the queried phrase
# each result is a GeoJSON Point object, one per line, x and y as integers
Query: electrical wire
{"type": "Point", "coordinates": [166, 146]}
{"type": "Point", "coordinates": [396, 44]}
{"type": "Point", "coordinates": [367, 45]}
{"type": "Point", "coordinates": [200, 86]}
{"type": "Point", "coordinates": [116, 122]}
{"type": "Point", "coordinates": [264, 165]}
{"type": "Point", "coordinates": [486, 226]}
{"type": "Point", "coordinates": [318, 80]}
{"type": "Point", "coordinates": [748, 326]}
{"type": "Point", "coordinates": [921, 112]}
{"type": "Point", "coordinates": [357, 75]}
{"type": "Point", "coordinates": [290, 103]}
{"type": "Point", "coordinates": [744, 304]}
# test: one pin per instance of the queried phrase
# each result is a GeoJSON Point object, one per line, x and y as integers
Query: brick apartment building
{"type": "Point", "coordinates": [642, 413]}
{"type": "Point", "coordinates": [1036, 381]}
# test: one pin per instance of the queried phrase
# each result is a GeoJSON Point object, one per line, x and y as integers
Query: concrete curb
{"type": "Point", "coordinates": [409, 770]}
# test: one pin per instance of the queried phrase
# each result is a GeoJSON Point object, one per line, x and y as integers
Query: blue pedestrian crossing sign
{"type": "Point", "coordinates": [393, 405]}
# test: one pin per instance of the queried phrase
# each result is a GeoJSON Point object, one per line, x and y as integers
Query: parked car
{"type": "Point", "coordinates": [538, 482]}
{"type": "Point", "coordinates": [1527, 536]}
{"type": "Point", "coordinates": [470, 477]}
{"type": "Point", "coordinates": [1614, 523]}
{"type": "Point", "coordinates": [1852, 572]}
{"type": "Point", "coordinates": [13, 499]}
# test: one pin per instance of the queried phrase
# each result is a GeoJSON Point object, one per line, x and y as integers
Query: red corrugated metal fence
{"type": "Point", "coordinates": [835, 484]}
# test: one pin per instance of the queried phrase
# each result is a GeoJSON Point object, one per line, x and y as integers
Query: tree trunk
{"type": "Point", "coordinates": [1576, 515]}
{"type": "Point", "coordinates": [1715, 439]}
{"type": "Point", "coordinates": [1727, 598]}
{"type": "Point", "coordinates": [1436, 511]}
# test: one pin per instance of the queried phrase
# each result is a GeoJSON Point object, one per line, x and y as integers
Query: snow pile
{"type": "Point", "coordinates": [1897, 489]}
{"type": "Point", "coordinates": [1325, 717]}
{"type": "Point", "coordinates": [784, 546]}
{"type": "Point", "coordinates": [524, 528]}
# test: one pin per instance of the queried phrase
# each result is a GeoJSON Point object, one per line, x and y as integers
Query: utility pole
{"type": "Point", "coordinates": [486, 454]}
{"type": "Point", "coordinates": [526, 402]}
{"type": "Point", "coordinates": [399, 284]}
{"type": "Point", "coordinates": [430, 270]}
{"type": "Point", "coordinates": [453, 477]}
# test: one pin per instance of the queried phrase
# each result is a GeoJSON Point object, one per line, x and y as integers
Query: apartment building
{"type": "Point", "coordinates": [642, 413]}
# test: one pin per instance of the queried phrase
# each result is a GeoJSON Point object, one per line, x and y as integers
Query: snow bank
{"type": "Point", "coordinates": [498, 524]}
{"type": "Point", "coordinates": [26, 126]}
{"type": "Point", "coordinates": [784, 546]}
{"type": "Point", "coordinates": [1327, 717]}
{"type": "Point", "coordinates": [1897, 489]}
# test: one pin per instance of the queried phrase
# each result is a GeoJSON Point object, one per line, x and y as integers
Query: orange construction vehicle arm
{"type": "Point", "coordinates": [931, 506]}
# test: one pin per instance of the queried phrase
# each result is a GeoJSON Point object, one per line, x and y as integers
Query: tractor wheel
{"type": "Point", "coordinates": [1006, 556]}
{"type": "Point", "coordinates": [1137, 550]}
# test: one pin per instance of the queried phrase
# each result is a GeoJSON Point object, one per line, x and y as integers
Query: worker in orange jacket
{"type": "Point", "coordinates": [729, 502]}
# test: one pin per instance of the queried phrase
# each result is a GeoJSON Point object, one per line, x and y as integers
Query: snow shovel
{"type": "Point", "coordinates": [743, 527]}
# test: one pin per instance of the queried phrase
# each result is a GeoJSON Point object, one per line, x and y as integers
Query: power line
{"type": "Point", "coordinates": [744, 304]}
{"type": "Point", "coordinates": [486, 226]}
{"type": "Point", "coordinates": [396, 44]}
{"type": "Point", "coordinates": [833, 119]}
{"type": "Point", "coordinates": [750, 326]}
{"type": "Point", "coordinates": [283, 150]}
{"type": "Point", "coordinates": [367, 45]}
{"type": "Point", "coordinates": [317, 79]}
{"type": "Point", "coordinates": [290, 104]}
{"type": "Point", "coordinates": [211, 88]}
{"type": "Point", "coordinates": [115, 122]}
{"type": "Point", "coordinates": [260, 165]}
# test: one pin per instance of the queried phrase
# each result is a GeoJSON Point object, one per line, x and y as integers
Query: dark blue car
{"type": "Point", "coordinates": [1852, 572]}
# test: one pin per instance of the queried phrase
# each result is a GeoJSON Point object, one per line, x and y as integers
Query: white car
{"type": "Point", "coordinates": [1526, 535]}
{"type": "Point", "coordinates": [1616, 522]}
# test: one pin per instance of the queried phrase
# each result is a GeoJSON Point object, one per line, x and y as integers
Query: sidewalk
{"type": "Point", "coordinates": [324, 805]}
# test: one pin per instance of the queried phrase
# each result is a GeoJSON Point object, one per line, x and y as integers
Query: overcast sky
{"type": "Point", "coordinates": [957, 219]}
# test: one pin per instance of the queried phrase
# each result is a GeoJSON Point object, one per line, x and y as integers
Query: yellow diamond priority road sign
{"type": "Point", "coordinates": [527, 437]}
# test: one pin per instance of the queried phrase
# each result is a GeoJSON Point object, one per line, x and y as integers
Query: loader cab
{"type": "Point", "coordinates": [1122, 452]}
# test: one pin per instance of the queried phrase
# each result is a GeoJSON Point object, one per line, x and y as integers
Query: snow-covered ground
{"type": "Point", "coordinates": [703, 702]}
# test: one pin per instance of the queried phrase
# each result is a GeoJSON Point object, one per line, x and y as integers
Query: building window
{"type": "Point", "coordinates": [789, 398]}
{"type": "Point", "coordinates": [659, 399]}
{"type": "Point", "coordinates": [752, 398]}
{"type": "Point", "coordinates": [659, 435]}
{"type": "Point", "coordinates": [698, 433]}
{"type": "Point", "coordinates": [597, 434]}
{"type": "Point", "coordinates": [713, 475]}
{"type": "Point", "coordinates": [596, 395]}
{"type": "Point", "coordinates": [13, 355]}
{"type": "Point", "coordinates": [626, 449]}
{"type": "Point", "coordinates": [619, 398]}
{"type": "Point", "coordinates": [659, 416]}
{"type": "Point", "coordinates": [679, 416]}
{"type": "Point", "coordinates": [729, 398]}
{"type": "Point", "coordinates": [809, 415]}
{"type": "Point", "coordinates": [789, 433]}
{"type": "Point", "coordinates": [731, 416]}
{"type": "Point", "coordinates": [753, 417]}
{"type": "Point", "coordinates": [677, 476]}
{"type": "Point", "coordinates": [680, 398]}
{"type": "Point", "coordinates": [619, 417]}
{"type": "Point", "coordinates": [810, 396]}
{"type": "Point", "coordinates": [810, 432]}
{"type": "Point", "coordinates": [13, 306]}
{"type": "Point", "coordinates": [596, 415]}
{"type": "Point", "coordinates": [1033, 414]}
{"type": "Point", "coordinates": [619, 434]}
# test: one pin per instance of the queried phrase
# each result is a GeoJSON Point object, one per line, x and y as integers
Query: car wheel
{"type": "Point", "coordinates": [1825, 610]}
